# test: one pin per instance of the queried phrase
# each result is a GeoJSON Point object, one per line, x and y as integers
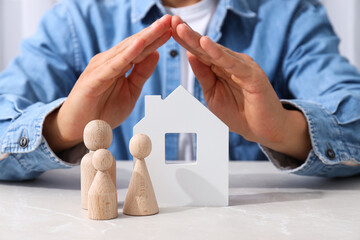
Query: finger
{"type": "Point", "coordinates": [188, 38]}
{"type": "Point", "coordinates": [175, 21]}
{"type": "Point", "coordinates": [141, 72]}
{"type": "Point", "coordinates": [149, 34]}
{"type": "Point", "coordinates": [203, 73]}
{"type": "Point", "coordinates": [220, 72]}
{"type": "Point", "coordinates": [225, 77]}
{"type": "Point", "coordinates": [233, 64]}
{"type": "Point", "coordinates": [245, 73]}
{"type": "Point", "coordinates": [152, 47]}
{"type": "Point", "coordinates": [117, 65]}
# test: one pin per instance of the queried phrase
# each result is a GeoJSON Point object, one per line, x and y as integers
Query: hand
{"type": "Point", "coordinates": [238, 91]}
{"type": "Point", "coordinates": [103, 91]}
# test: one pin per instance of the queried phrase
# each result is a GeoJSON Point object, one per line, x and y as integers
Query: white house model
{"type": "Point", "coordinates": [201, 183]}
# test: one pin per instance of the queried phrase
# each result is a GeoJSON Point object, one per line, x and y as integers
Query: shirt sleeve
{"type": "Point", "coordinates": [35, 84]}
{"type": "Point", "coordinates": [326, 89]}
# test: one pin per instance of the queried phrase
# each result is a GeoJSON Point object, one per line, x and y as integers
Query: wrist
{"type": "Point", "coordinates": [51, 131]}
{"type": "Point", "coordinates": [295, 141]}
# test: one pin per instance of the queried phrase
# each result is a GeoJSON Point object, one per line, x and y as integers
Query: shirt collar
{"type": "Point", "coordinates": [239, 7]}
{"type": "Point", "coordinates": [140, 8]}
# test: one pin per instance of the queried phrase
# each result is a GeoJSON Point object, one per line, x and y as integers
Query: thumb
{"type": "Point", "coordinates": [203, 73]}
{"type": "Point", "coordinates": [142, 71]}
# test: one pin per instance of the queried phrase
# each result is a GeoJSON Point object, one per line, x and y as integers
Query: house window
{"type": "Point", "coordinates": [180, 148]}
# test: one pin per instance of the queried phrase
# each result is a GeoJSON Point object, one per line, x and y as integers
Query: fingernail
{"type": "Point", "coordinates": [187, 25]}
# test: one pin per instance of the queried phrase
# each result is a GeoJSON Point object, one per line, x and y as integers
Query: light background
{"type": "Point", "coordinates": [19, 19]}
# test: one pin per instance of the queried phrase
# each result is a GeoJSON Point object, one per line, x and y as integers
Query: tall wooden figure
{"type": "Point", "coordinates": [140, 199]}
{"type": "Point", "coordinates": [97, 135]}
{"type": "Point", "coordinates": [102, 198]}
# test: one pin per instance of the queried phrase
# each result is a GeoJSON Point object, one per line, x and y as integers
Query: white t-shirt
{"type": "Point", "coordinates": [198, 17]}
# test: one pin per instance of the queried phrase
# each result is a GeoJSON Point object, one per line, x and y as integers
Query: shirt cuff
{"type": "Point", "coordinates": [329, 157]}
{"type": "Point", "coordinates": [24, 134]}
{"type": "Point", "coordinates": [24, 146]}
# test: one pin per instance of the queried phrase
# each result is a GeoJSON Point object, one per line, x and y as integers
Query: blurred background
{"type": "Point", "coordinates": [19, 19]}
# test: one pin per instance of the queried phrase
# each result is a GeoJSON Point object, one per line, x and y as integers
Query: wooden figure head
{"type": "Point", "coordinates": [102, 160]}
{"type": "Point", "coordinates": [140, 146]}
{"type": "Point", "coordinates": [97, 135]}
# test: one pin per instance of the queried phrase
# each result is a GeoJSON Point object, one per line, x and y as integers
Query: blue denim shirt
{"type": "Point", "coordinates": [292, 40]}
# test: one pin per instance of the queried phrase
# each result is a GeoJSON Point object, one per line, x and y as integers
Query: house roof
{"type": "Point", "coordinates": [183, 102]}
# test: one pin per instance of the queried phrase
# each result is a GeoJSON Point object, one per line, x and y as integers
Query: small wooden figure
{"type": "Point", "coordinates": [140, 199]}
{"type": "Point", "coordinates": [97, 135]}
{"type": "Point", "coordinates": [102, 198]}
{"type": "Point", "coordinates": [88, 173]}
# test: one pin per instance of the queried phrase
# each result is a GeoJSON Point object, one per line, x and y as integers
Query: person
{"type": "Point", "coordinates": [98, 59]}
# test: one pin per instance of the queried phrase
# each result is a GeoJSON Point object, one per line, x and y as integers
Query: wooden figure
{"type": "Point", "coordinates": [97, 135]}
{"type": "Point", "coordinates": [140, 199]}
{"type": "Point", "coordinates": [88, 173]}
{"type": "Point", "coordinates": [102, 197]}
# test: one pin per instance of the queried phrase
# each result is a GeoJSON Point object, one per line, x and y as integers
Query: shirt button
{"type": "Point", "coordinates": [24, 142]}
{"type": "Point", "coordinates": [173, 53]}
{"type": "Point", "coordinates": [330, 153]}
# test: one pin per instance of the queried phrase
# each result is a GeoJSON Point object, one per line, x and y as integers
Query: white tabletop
{"type": "Point", "coordinates": [264, 204]}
